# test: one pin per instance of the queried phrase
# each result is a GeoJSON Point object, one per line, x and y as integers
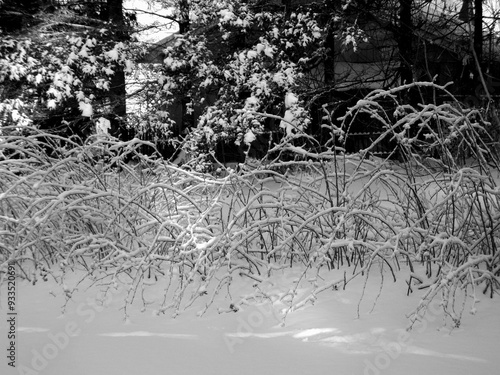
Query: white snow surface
{"type": "Point", "coordinates": [324, 338]}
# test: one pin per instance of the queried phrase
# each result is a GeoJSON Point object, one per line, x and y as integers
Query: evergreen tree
{"type": "Point", "coordinates": [62, 65]}
{"type": "Point", "coordinates": [233, 70]}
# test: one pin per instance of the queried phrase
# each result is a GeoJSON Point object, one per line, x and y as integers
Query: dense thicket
{"type": "Point", "coordinates": [287, 87]}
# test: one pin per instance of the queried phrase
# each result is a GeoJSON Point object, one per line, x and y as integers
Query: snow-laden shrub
{"type": "Point", "coordinates": [67, 206]}
{"type": "Point", "coordinates": [434, 212]}
{"type": "Point", "coordinates": [431, 217]}
{"type": "Point", "coordinates": [442, 200]}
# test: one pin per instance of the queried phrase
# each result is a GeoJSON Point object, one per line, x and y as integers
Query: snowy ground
{"type": "Point", "coordinates": [325, 338]}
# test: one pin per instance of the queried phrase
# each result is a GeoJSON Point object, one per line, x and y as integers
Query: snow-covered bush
{"type": "Point", "coordinates": [432, 219]}
{"type": "Point", "coordinates": [69, 206]}
{"type": "Point", "coordinates": [442, 200]}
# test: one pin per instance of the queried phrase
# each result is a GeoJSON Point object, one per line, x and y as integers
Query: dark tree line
{"type": "Point", "coordinates": [226, 54]}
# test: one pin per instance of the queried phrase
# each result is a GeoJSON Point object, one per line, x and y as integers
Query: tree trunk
{"type": "Point", "coordinates": [405, 41]}
{"type": "Point", "coordinates": [183, 16]}
{"type": "Point", "coordinates": [478, 30]}
{"type": "Point", "coordinates": [330, 45]}
{"type": "Point", "coordinates": [184, 26]}
{"type": "Point", "coordinates": [118, 91]}
{"type": "Point", "coordinates": [465, 11]}
{"type": "Point", "coordinates": [287, 4]}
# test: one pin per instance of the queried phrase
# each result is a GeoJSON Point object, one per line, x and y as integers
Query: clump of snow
{"type": "Point", "coordinates": [51, 104]}
{"type": "Point", "coordinates": [290, 100]}
{"type": "Point", "coordinates": [86, 109]}
{"type": "Point", "coordinates": [251, 54]}
{"type": "Point", "coordinates": [289, 124]}
{"type": "Point", "coordinates": [114, 54]}
{"type": "Point", "coordinates": [249, 137]}
{"type": "Point", "coordinates": [102, 125]}
{"type": "Point", "coordinates": [226, 15]}
{"type": "Point", "coordinates": [251, 102]}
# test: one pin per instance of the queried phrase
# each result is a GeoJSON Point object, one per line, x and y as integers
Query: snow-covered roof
{"type": "Point", "coordinates": [155, 53]}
